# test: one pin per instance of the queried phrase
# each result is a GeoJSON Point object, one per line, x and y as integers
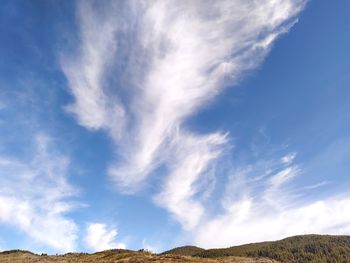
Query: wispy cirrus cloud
{"type": "Point", "coordinates": [34, 196]}
{"type": "Point", "coordinates": [251, 222]}
{"type": "Point", "coordinates": [266, 207]}
{"type": "Point", "coordinates": [192, 162]}
{"type": "Point", "coordinates": [98, 37]}
{"type": "Point", "coordinates": [142, 68]}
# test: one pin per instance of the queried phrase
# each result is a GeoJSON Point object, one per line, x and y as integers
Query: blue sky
{"type": "Point", "coordinates": [157, 124]}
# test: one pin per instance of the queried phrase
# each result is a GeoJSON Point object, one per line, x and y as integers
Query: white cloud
{"type": "Point", "coordinates": [282, 177]}
{"type": "Point", "coordinates": [288, 158]}
{"type": "Point", "coordinates": [99, 237]}
{"type": "Point", "coordinates": [191, 161]}
{"type": "Point", "coordinates": [275, 194]}
{"type": "Point", "coordinates": [188, 49]}
{"type": "Point", "coordinates": [266, 208]}
{"type": "Point", "coordinates": [171, 58]}
{"type": "Point", "coordinates": [143, 68]}
{"type": "Point", "coordinates": [264, 182]}
{"type": "Point", "coordinates": [194, 50]}
{"type": "Point", "coordinates": [33, 197]}
{"type": "Point", "coordinates": [150, 247]}
{"type": "Point", "coordinates": [86, 71]}
{"type": "Point", "coordinates": [250, 221]}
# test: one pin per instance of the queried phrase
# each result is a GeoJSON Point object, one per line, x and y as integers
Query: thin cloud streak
{"type": "Point", "coordinates": [85, 72]}
{"type": "Point", "coordinates": [251, 222]}
{"type": "Point", "coordinates": [193, 157]}
{"type": "Point", "coordinates": [268, 209]}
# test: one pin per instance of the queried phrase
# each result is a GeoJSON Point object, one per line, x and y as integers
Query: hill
{"type": "Point", "coordinates": [117, 256]}
{"type": "Point", "coordinates": [185, 250]}
{"type": "Point", "coordinates": [305, 248]}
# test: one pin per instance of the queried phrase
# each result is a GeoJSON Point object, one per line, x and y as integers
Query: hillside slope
{"type": "Point", "coordinates": [117, 256]}
{"type": "Point", "coordinates": [305, 248]}
{"type": "Point", "coordinates": [185, 251]}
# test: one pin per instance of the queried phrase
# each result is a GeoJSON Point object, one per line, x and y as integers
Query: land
{"type": "Point", "coordinates": [119, 256]}
{"type": "Point", "coordinates": [305, 248]}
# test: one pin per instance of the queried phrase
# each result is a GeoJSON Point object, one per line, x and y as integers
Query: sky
{"type": "Point", "coordinates": [155, 124]}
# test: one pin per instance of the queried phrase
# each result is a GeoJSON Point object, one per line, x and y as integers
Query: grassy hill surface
{"type": "Point", "coordinates": [118, 256]}
{"type": "Point", "coordinates": [306, 248]}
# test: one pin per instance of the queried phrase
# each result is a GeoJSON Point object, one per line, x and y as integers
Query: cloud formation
{"type": "Point", "coordinates": [98, 237]}
{"type": "Point", "coordinates": [143, 68]}
{"type": "Point", "coordinates": [192, 162]}
{"type": "Point", "coordinates": [260, 203]}
{"type": "Point", "coordinates": [34, 197]}
{"type": "Point", "coordinates": [250, 221]}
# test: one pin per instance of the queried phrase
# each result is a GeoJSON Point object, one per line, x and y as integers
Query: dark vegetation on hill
{"type": "Point", "coordinates": [306, 248]}
{"type": "Point", "coordinates": [19, 251]}
{"type": "Point", "coordinates": [185, 250]}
